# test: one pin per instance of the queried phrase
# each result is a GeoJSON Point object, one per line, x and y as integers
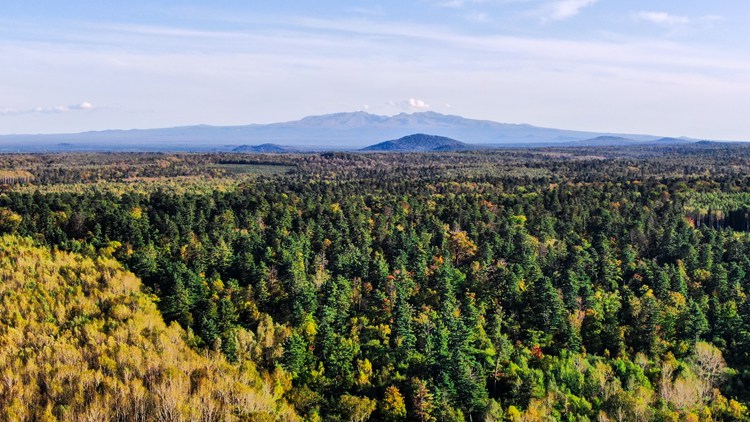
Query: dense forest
{"type": "Point", "coordinates": [573, 284]}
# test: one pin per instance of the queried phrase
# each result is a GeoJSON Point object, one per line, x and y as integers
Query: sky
{"type": "Point", "coordinates": [667, 68]}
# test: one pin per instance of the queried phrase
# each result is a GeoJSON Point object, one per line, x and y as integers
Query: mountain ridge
{"type": "Point", "coordinates": [346, 130]}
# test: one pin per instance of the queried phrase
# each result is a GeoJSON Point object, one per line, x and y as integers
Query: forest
{"type": "Point", "coordinates": [571, 284]}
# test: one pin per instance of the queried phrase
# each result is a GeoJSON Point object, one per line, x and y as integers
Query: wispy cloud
{"type": "Point", "coordinates": [559, 10]}
{"type": "Point", "coordinates": [84, 106]}
{"type": "Point", "coordinates": [313, 43]}
{"type": "Point", "coordinates": [426, 39]}
{"type": "Point", "coordinates": [478, 17]}
{"type": "Point", "coordinates": [458, 4]}
{"type": "Point", "coordinates": [663, 18]}
{"type": "Point", "coordinates": [367, 11]}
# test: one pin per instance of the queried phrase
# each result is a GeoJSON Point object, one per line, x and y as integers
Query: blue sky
{"type": "Point", "coordinates": [667, 68]}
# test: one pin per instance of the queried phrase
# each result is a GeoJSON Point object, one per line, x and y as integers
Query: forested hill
{"type": "Point", "coordinates": [573, 284]}
{"type": "Point", "coordinates": [263, 148]}
{"type": "Point", "coordinates": [80, 341]}
{"type": "Point", "coordinates": [419, 143]}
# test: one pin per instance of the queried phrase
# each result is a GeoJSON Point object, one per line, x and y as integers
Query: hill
{"type": "Point", "coordinates": [82, 342]}
{"type": "Point", "coordinates": [263, 148]}
{"type": "Point", "coordinates": [419, 143]}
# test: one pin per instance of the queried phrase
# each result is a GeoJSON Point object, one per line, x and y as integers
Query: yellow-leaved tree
{"type": "Point", "coordinates": [79, 341]}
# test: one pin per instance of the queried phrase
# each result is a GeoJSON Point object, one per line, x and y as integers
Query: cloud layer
{"type": "Point", "coordinates": [559, 63]}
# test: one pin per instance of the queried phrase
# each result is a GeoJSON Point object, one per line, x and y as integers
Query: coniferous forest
{"type": "Point", "coordinates": [573, 284]}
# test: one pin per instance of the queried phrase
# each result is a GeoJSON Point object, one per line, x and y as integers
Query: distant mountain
{"type": "Point", "coordinates": [326, 132]}
{"type": "Point", "coordinates": [419, 142]}
{"type": "Point", "coordinates": [263, 148]}
{"type": "Point", "coordinates": [674, 141]}
{"type": "Point", "coordinates": [605, 141]}
{"type": "Point", "coordinates": [621, 141]}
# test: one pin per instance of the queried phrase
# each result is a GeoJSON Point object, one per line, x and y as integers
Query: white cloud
{"type": "Point", "coordinates": [84, 106]}
{"type": "Point", "coordinates": [412, 104]}
{"type": "Point", "coordinates": [559, 10]}
{"type": "Point", "coordinates": [417, 104]}
{"type": "Point", "coordinates": [663, 18]}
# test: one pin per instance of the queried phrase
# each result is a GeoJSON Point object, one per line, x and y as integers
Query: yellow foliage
{"type": "Point", "coordinates": [9, 220]}
{"type": "Point", "coordinates": [519, 220]}
{"type": "Point", "coordinates": [357, 409]}
{"type": "Point", "coordinates": [310, 328]}
{"type": "Point", "coordinates": [393, 405]}
{"type": "Point", "coordinates": [461, 245]}
{"type": "Point", "coordinates": [514, 415]}
{"type": "Point", "coordinates": [81, 342]}
{"type": "Point", "coordinates": [364, 372]}
{"type": "Point", "coordinates": [136, 213]}
{"type": "Point", "coordinates": [737, 409]}
{"type": "Point", "coordinates": [677, 300]}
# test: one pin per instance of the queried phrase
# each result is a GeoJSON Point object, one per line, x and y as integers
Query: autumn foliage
{"type": "Point", "coordinates": [81, 342]}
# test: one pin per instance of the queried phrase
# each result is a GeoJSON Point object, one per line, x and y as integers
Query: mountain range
{"type": "Point", "coordinates": [339, 131]}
